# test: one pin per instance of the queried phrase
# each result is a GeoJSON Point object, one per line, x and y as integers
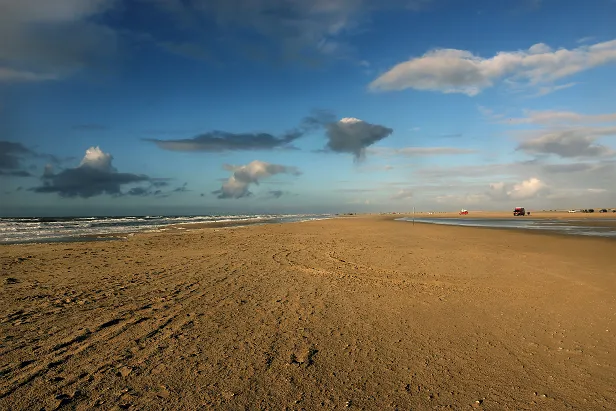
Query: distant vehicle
{"type": "Point", "coordinates": [603, 211]}
{"type": "Point", "coordinates": [463, 212]}
{"type": "Point", "coordinates": [591, 210]}
{"type": "Point", "coordinates": [572, 211]}
{"type": "Point", "coordinates": [519, 211]}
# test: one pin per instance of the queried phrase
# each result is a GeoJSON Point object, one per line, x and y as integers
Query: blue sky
{"type": "Point", "coordinates": [284, 106]}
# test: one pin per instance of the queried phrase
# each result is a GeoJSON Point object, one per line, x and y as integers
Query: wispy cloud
{"type": "Point", "coordinates": [402, 194]}
{"type": "Point", "coordinates": [586, 39]}
{"type": "Point", "coordinates": [571, 142]}
{"type": "Point", "coordinates": [220, 141]}
{"type": "Point", "coordinates": [306, 31]}
{"type": "Point", "coordinates": [9, 75]}
{"type": "Point", "coordinates": [420, 151]}
{"type": "Point", "coordinates": [551, 117]}
{"type": "Point", "coordinates": [544, 90]}
{"type": "Point", "coordinates": [355, 190]}
{"type": "Point", "coordinates": [566, 134]}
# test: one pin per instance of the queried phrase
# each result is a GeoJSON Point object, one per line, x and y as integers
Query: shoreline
{"type": "Point", "coordinates": [170, 227]}
{"type": "Point", "coordinates": [589, 221]}
{"type": "Point", "coordinates": [507, 214]}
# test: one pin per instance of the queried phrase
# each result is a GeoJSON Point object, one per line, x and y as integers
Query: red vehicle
{"type": "Point", "coordinates": [519, 211]}
{"type": "Point", "coordinates": [463, 212]}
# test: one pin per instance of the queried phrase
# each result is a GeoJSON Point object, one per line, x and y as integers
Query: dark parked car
{"type": "Point", "coordinates": [603, 211]}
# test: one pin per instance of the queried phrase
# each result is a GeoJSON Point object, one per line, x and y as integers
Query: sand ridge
{"type": "Point", "coordinates": [358, 312]}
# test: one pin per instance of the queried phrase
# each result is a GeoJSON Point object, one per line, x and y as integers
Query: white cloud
{"type": "Point", "coordinates": [539, 48]}
{"type": "Point", "coordinates": [460, 71]}
{"type": "Point", "coordinates": [237, 186]}
{"type": "Point", "coordinates": [402, 194]}
{"type": "Point", "coordinates": [518, 191]}
{"type": "Point", "coordinates": [96, 158]}
{"type": "Point", "coordinates": [498, 193]}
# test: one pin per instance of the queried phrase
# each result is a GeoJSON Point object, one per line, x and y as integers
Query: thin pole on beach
{"type": "Point", "coordinates": [413, 215]}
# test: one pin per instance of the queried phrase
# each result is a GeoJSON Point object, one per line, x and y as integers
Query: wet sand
{"type": "Point", "coordinates": [364, 312]}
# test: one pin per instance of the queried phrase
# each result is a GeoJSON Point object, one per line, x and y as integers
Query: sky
{"type": "Point", "coordinates": [142, 107]}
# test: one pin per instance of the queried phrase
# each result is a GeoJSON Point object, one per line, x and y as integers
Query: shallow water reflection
{"type": "Point", "coordinates": [573, 227]}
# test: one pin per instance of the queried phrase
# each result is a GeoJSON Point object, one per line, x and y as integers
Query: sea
{"type": "Point", "coordinates": [21, 230]}
{"type": "Point", "coordinates": [600, 228]}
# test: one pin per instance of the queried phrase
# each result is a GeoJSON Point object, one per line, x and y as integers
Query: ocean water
{"type": "Point", "coordinates": [45, 229]}
{"type": "Point", "coordinates": [564, 226]}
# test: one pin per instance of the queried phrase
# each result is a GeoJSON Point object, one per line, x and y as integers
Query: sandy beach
{"type": "Point", "coordinates": [359, 312]}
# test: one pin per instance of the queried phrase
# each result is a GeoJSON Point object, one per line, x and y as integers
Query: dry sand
{"type": "Point", "coordinates": [358, 312]}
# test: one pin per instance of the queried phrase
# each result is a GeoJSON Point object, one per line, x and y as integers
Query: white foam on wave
{"type": "Point", "coordinates": [17, 230]}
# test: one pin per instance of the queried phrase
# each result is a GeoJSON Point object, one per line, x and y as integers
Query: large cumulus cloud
{"type": "Point", "coordinates": [237, 186]}
{"type": "Point", "coordinates": [94, 176]}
